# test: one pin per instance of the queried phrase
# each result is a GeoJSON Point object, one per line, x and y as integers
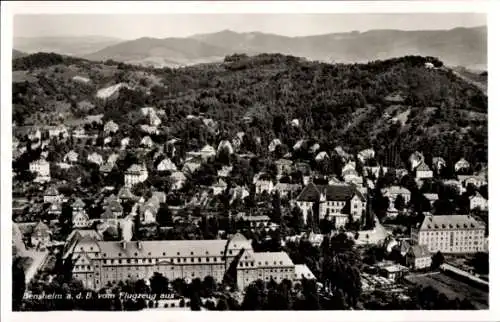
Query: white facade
{"type": "Point", "coordinates": [135, 174]}
{"type": "Point", "coordinates": [450, 234]}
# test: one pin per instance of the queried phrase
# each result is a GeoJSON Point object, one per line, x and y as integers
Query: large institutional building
{"type": "Point", "coordinates": [334, 202]}
{"type": "Point", "coordinates": [98, 262]}
{"type": "Point", "coordinates": [450, 234]}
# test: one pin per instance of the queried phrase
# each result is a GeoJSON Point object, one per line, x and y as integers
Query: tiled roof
{"type": "Point", "coordinates": [340, 192]}
{"type": "Point", "coordinates": [41, 228]}
{"type": "Point", "coordinates": [396, 190]}
{"type": "Point", "coordinates": [166, 248]}
{"type": "Point", "coordinates": [450, 222]}
{"type": "Point", "coordinates": [78, 203]}
{"type": "Point", "coordinates": [302, 271]}
{"type": "Point", "coordinates": [272, 259]}
{"type": "Point", "coordinates": [422, 167]}
{"type": "Point", "coordinates": [51, 191]}
{"type": "Point", "coordinates": [420, 251]}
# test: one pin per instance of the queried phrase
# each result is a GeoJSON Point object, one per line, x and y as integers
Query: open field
{"type": "Point", "coordinates": [452, 288]}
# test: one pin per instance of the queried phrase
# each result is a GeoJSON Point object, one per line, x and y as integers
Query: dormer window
{"type": "Point", "coordinates": [119, 254]}
{"type": "Point", "coordinates": [135, 254]}
{"type": "Point", "coordinates": [191, 253]}
{"type": "Point", "coordinates": [178, 254]}
{"type": "Point", "coordinates": [163, 253]}
{"type": "Point", "coordinates": [149, 254]}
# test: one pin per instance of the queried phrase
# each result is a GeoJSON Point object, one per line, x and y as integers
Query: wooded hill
{"type": "Point", "coordinates": [396, 106]}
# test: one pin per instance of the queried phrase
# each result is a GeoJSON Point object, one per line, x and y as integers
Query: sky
{"type": "Point", "coordinates": [126, 26]}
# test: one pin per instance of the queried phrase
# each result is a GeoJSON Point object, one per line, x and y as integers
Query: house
{"type": "Point", "coordinates": [109, 218]}
{"type": "Point", "coordinates": [349, 166]}
{"type": "Point", "coordinates": [219, 187]}
{"type": "Point", "coordinates": [113, 157]}
{"type": "Point", "coordinates": [462, 165]}
{"type": "Point", "coordinates": [321, 156]}
{"type": "Point", "coordinates": [177, 180]}
{"type": "Point", "coordinates": [256, 221]}
{"type": "Point", "coordinates": [147, 142]}
{"type": "Point", "coordinates": [211, 124]}
{"type": "Point", "coordinates": [80, 218]}
{"type": "Point", "coordinates": [51, 195]}
{"type": "Point", "coordinates": [191, 166]}
{"type": "Point", "coordinates": [432, 197]}
{"type": "Point", "coordinates": [135, 174]}
{"type": "Point", "coordinates": [374, 171]}
{"type": "Point", "coordinates": [299, 144]}
{"type": "Point", "coordinates": [40, 236]}
{"type": "Point", "coordinates": [79, 132]}
{"type": "Point", "coordinates": [35, 134]}
{"type": "Point", "coordinates": [438, 164]}
{"type": "Point", "coordinates": [287, 189]}
{"type": "Point", "coordinates": [225, 145]}
{"type": "Point", "coordinates": [366, 155]}
{"type": "Point", "coordinates": [55, 209]}
{"type": "Point", "coordinates": [110, 127]}
{"type": "Point", "coordinates": [115, 207]}
{"type": "Point", "coordinates": [302, 272]}
{"type": "Point", "coordinates": [225, 171]}
{"type": "Point", "coordinates": [334, 202]}
{"type": "Point", "coordinates": [41, 168]}
{"type": "Point", "coordinates": [352, 176]}
{"type": "Point", "coordinates": [273, 145]}
{"type": "Point", "coordinates": [415, 159]}
{"type": "Point", "coordinates": [478, 202]}
{"type": "Point", "coordinates": [237, 141]}
{"type": "Point", "coordinates": [283, 166]}
{"type": "Point", "coordinates": [239, 193]}
{"type": "Point", "coordinates": [418, 257]}
{"type": "Point", "coordinates": [95, 158]}
{"type": "Point", "coordinates": [263, 185]}
{"type": "Point", "coordinates": [400, 172]}
{"type": "Point", "coordinates": [149, 129]}
{"type": "Point", "coordinates": [154, 120]}
{"type": "Point", "coordinates": [125, 194]}
{"type": "Point", "coordinates": [166, 165]}
{"type": "Point", "coordinates": [393, 192]}
{"type": "Point", "coordinates": [149, 210]}
{"type": "Point", "coordinates": [475, 181]}
{"type": "Point", "coordinates": [314, 148]}
{"type": "Point", "coordinates": [207, 152]}
{"type": "Point", "coordinates": [148, 110]}
{"type": "Point", "coordinates": [295, 123]}
{"type": "Point", "coordinates": [344, 156]}
{"type": "Point", "coordinates": [422, 171]}
{"type": "Point", "coordinates": [106, 168]}
{"type": "Point", "coordinates": [392, 271]}
{"type": "Point", "coordinates": [124, 143]}
{"type": "Point", "coordinates": [455, 184]}
{"type": "Point", "coordinates": [57, 131]}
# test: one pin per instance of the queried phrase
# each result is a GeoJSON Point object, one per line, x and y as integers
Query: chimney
{"type": "Point", "coordinates": [124, 244]}
{"type": "Point", "coordinates": [139, 245]}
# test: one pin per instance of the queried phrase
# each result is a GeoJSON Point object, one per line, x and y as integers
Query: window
{"type": "Point", "coordinates": [119, 254]}
{"type": "Point", "coordinates": [178, 260]}
{"type": "Point", "coordinates": [185, 260]}
{"type": "Point", "coordinates": [163, 253]}
{"type": "Point", "coordinates": [149, 254]}
{"type": "Point", "coordinates": [119, 261]}
{"type": "Point", "coordinates": [104, 255]}
{"type": "Point", "coordinates": [128, 261]}
{"type": "Point", "coordinates": [191, 253]}
{"type": "Point", "coordinates": [150, 260]}
{"type": "Point", "coordinates": [192, 260]}
{"type": "Point", "coordinates": [199, 259]}
{"type": "Point", "coordinates": [178, 253]}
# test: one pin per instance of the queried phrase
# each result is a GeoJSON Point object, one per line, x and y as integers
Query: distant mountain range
{"type": "Point", "coordinates": [456, 47]}
{"type": "Point", "coordinates": [74, 46]}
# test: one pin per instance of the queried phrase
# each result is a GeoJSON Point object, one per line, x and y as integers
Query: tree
{"type": "Point", "coordinates": [164, 216]}
{"type": "Point", "coordinates": [209, 286]}
{"type": "Point", "coordinates": [18, 284]}
{"type": "Point", "coordinates": [159, 284]}
{"type": "Point", "coordinates": [399, 203]}
{"type": "Point", "coordinates": [437, 260]}
{"type": "Point", "coordinates": [195, 302]}
{"type": "Point", "coordinates": [481, 262]}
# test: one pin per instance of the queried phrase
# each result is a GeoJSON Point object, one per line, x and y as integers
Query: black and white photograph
{"type": "Point", "coordinates": [247, 161]}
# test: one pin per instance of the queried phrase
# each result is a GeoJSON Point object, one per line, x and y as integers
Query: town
{"type": "Point", "coordinates": [109, 209]}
